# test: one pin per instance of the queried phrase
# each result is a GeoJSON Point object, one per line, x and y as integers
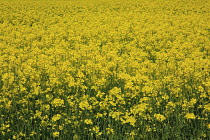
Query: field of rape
{"type": "Point", "coordinates": [105, 69]}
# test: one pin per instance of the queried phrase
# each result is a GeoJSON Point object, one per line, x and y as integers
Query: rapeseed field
{"type": "Point", "coordinates": [104, 69]}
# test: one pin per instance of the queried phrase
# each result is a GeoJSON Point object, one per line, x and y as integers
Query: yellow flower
{"type": "Point", "coordinates": [56, 134]}
{"type": "Point", "coordinates": [208, 126]}
{"type": "Point", "coordinates": [115, 91]}
{"type": "Point", "coordinates": [116, 115]}
{"type": "Point", "coordinates": [38, 114]}
{"type": "Point", "coordinates": [60, 127]}
{"type": "Point", "coordinates": [98, 115]}
{"type": "Point", "coordinates": [207, 107]}
{"type": "Point", "coordinates": [128, 119]}
{"type": "Point", "coordinates": [88, 121]}
{"type": "Point", "coordinates": [159, 117]}
{"type": "Point", "coordinates": [132, 133]}
{"type": "Point", "coordinates": [58, 102]}
{"type": "Point", "coordinates": [110, 130]}
{"type": "Point", "coordinates": [44, 123]}
{"type": "Point", "coordinates": [85, 105]}
{"type": "Point", "coordinates": [96, 130]}
{"type": "Point", "coordinates": [56, 117]}
{"type": "Point", "coordinates": [190, 116]}
{"type": "Point", "coordinates": [33, 133]}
